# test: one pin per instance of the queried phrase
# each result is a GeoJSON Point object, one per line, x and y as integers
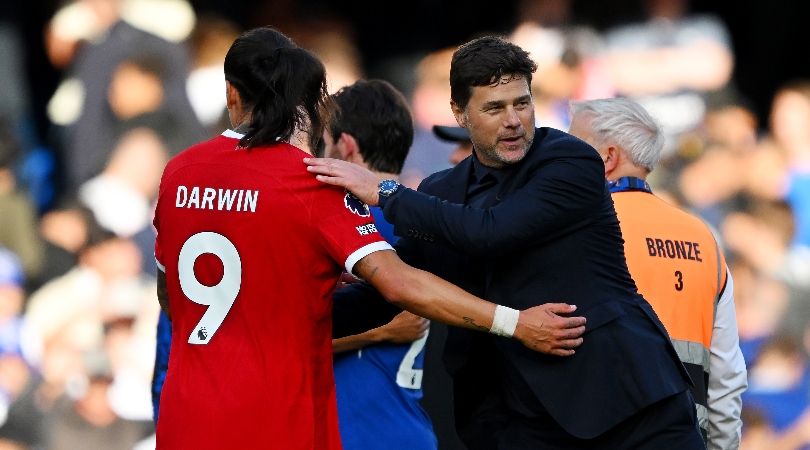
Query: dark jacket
{"type": "Point", "coordinates": [551, 236]}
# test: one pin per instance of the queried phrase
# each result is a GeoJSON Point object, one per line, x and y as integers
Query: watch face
{"type": "Point", "coordinates": [388, 187]}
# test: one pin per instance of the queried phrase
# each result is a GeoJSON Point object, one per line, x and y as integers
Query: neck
{"type": "Point", "coordinates": [632, 171]}
{"type": "Point", "coordinates": [241, 126]}
{"type": "Point", "coordinates": [386, 175]}
{"type": "Point", "coordinates": [300, 139]}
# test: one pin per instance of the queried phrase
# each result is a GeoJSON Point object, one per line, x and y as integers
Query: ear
{"type": "Point", "coordinates": [348, 148]}
{"type": "Point", "coordinates": [458, 112]}
{"type": "Point", "coordinates": [231, 95]}
{"type": "Point", "coordinates": [233, 101]}
{"type": "Point", "coordinates": [611, 159]}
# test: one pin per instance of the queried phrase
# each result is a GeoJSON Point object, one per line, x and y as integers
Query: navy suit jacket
{"type": "Point", "coordinates": [551, 236]}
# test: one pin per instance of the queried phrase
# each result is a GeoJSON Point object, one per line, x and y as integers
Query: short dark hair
{"type": "Point", "coordinates": [377, 115]}
{"type": "Point", "coordinates": [283, 84]}
{"type": "Point", "coordinates": [482, 62]}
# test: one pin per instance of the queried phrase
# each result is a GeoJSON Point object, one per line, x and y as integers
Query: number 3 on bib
{"type": "Point", "coordinates": [220, 297]}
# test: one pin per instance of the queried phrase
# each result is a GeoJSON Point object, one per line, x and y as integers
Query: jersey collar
{"type": "Point", "coordinates": [625, 184]}
{"type": "Point", "coordinates": [232, 134]}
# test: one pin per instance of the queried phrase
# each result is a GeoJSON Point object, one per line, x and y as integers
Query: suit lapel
{"type": "Point", "coordinates": [455, 189]}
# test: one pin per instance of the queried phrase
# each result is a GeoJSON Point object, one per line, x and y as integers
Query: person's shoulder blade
{"type": "Point", "coordinates": [555, 143]}
{"type": "Point", "coordinates": [434, 180]}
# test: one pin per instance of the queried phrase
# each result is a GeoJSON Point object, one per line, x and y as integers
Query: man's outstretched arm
{"type": "Point", "coordinates": [540, 328]}
{"type": "Point", "coordinates": [561, 195]}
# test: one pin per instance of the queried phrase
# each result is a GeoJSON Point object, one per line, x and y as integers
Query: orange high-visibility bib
{"type": "Point", "coordinates": [680, 270]}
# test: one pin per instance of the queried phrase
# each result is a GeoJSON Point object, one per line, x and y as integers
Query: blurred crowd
{"type": "Point", "coordinates": [142, 80]}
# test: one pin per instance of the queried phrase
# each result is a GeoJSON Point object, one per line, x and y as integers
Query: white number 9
{"type": "Point", "coordinates": [220, 297]}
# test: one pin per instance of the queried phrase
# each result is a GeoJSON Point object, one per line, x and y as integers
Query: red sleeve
{"type": "Point", "coordinates": [348, 228]}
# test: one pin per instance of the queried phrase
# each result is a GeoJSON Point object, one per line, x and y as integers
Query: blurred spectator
{"type": "Point", "coordinates": [92, 105]}
{"type": "Point", "coordinates": [17, 213]}
{"type": "Point", "coordinates": [711, 183]}
{"type": "Point", "coordinates": [757, 432]}
{"type": "Point", "coordinates": [79, 22]}
{"type": "Point", "coordinates": [334, 43]}
{"type": "Point", "coordinates": [761, 232]}
{"type": "Point", "coordinates": [15, 338]}
{"type": "Point", "coordinates": [569, 67]}
{"type": "Point", "coordinates": [790, 115]}
{"type": "Point", "coordinates": [430, 107]}
{"type": "Point", "coordinates": [89, 421]}
{"type": "Point", "coordinates": [101, 304]}
{"type": "Point", "coordinates": [73, 308]}
{"type": "Point", "coordinates": [21, 426]}
{"type": "Point", "coordinates": [765, 172]}
{"type": "Point", "coordinates": [19, 352]}
{"type": "Point", "coordinates": [460, 137]}
{"type": "Point", "coordinates": [779, 382]}
{"type": "Point", "coordinates": [761, 301]}
{"type": "Point", "coordinates": [209, 42]}
{"type": "Point", "coordinates": [131, 350]}
{"type": "Point", "coordinates": [729, 124]}
{"type": "Point", "coordinates": [137, 98]}
{"type": "Point", "coordinates": [556, 78]}
{"type": "Point", "coordinates": [64, 230]}
{"type": "Point", "coordinates": [121, 196]}
{"type": "Point", "coordinates": [669, 62]}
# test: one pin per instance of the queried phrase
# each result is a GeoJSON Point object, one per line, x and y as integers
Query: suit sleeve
{"type": "Point", "coordinates": [727, 375]}
{"type": "Point", "coordinates": [561, 194]}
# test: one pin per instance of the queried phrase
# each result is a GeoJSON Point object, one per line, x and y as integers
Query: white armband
{"type": "Point", "coordinates": [505, 321]}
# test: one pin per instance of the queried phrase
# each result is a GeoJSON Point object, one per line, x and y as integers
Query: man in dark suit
{"type": "Point", "coordinates": [526, 220]}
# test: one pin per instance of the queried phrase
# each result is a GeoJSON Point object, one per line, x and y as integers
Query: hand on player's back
{"type": "Point", "coordinates": [543, 329]}
{"type": "Point", "coordinates": [360, 181]}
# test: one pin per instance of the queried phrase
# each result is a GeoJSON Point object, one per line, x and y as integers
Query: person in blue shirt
{"type": "Point", "coordinates": [378, 374]}
{"type": "Point", "coordinates": [163, 345]}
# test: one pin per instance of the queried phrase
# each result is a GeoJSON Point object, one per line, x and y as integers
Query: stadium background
{"type": "Point", "coordinates": [78, 307]}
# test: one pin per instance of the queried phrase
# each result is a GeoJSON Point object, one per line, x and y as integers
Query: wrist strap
{"type": "Point", "coordinates": [505, 321]}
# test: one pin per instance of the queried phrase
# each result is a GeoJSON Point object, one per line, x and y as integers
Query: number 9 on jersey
{"type": "Point", "coordinates": [220, 297]}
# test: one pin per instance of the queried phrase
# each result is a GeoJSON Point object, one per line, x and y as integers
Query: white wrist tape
{"type": "Point", "coordinates": [505, 321]}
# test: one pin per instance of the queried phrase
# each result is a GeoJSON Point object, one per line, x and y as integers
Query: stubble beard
{"type": "Point", "coordinates": [497, 159]}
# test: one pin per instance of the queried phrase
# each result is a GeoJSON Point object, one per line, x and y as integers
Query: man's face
{"type": "Point", "coordinates": [330, 147]}
{"type": "Point", "coordinates": [500, 119]}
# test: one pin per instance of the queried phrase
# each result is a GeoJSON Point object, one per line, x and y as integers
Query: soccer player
{"type": "Point", "coordinates": [675, 261]}
{"type": "Point", "coordinates": [378, 386]}
{"type": "Point", "coordinates": [249, 249]}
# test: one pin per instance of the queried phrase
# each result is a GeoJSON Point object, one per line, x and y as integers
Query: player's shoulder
{"type": "Point", "coordinates": [558, 143]}
{"type": "Point", "coordinates": [675, 215]}
{"type": "Point", "coordinates": [687, 217]}
{"type": "Point", "coordinates": [436, 180]}
{"type": "Point", "coordinates": [197, 153]}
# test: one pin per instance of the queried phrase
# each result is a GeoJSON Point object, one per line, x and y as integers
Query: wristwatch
{"type": "Point", "coordinates": [387, 188]}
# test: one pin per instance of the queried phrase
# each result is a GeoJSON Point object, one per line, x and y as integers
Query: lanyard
{"type": "Point", "coordinates": [626, 184]}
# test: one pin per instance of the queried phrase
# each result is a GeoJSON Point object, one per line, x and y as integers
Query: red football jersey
{"type": "Point", "coordinates": [252, 247]}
